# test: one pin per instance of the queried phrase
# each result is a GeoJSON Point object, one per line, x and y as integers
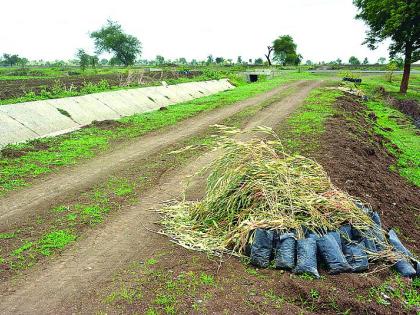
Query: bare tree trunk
{"type": "Point", "coordinates": [268, 59]}
{"type": "Point", "coordinates": [406, 73]}
{"type": "Point", "coordinates": [270, 49]}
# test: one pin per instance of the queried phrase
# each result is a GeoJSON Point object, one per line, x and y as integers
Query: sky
{"type": "Point", "coordinates": [324, 30]}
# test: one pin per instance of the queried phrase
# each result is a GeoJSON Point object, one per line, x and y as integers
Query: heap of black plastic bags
{"type": "Point", "coordinates": [344, 250]}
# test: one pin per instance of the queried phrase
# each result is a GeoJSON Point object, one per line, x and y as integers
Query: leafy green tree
{"type": "Point", "coordinates": [22, 62]}
{"type": "Point", "coordinates": [160, 60]}
{"type": "Point", "coordinates": [365, 61]}
{"type": "Point", "coordinates": [354, 61]}
{"type": "Point", "coordinates": [11, 60]}
{"type": "Point", "coordinates": [381, 60]}
{"type": "Point", "coordinates": [182, 61]}
{"type": "Point", "coordinates": [210, 59]}
{"type": "Point", "coordinates": [239, 60]}
{"type": "Point", "coordinates": [104, 61]}
{"type": "Point", "coordinates": [194, 62]}
{"type": "Point", "coordinates": [309, 62]}
{"type": "Point", "coordinates": [285, 51]}
{"type": "Point", "coordinates": [111, 38]}
{"type": "Point", "coordinates": [220, 60]}
{"type": "Point", "coordinates": [339, 61]}
{"type": "Point", "coordinates": [259, 61]}
{"type": "Point", "coordinates": [94, 61]}
{"type": "Point", "coordinates": [83, 59]}
{"type": "Point", "coordinates": [397, 20]}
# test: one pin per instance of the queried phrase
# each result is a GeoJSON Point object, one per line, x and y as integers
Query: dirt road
{"type": "Point", "coordinates": [59, 286]}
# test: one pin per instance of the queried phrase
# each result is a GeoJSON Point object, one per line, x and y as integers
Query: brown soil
{"type": "Point", "coordinates": [358, 162]}
{"type": "Point", "coordinates": [36, 145]}
{"type": "Point", "coordinates": [105, 124]}
{"type": "Point", "coordinates": [17, 88]}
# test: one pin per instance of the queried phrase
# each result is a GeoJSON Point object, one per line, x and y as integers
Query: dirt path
{"type": "Point", "coordinates": [55, 188]}
{"type": "Point", "coordinates": [59, 286]}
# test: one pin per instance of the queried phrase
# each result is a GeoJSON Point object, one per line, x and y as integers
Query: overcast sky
{"type": "Point", "coordinates": [324, 30]}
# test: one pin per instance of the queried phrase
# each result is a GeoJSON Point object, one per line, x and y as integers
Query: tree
{"type": "Point", "coordinates": [268, 55]}
{"type": "Point", "coordinates": [397, 20]}
{"type": "Point", "coordinates": [308, 62]}
{"type": "Point", "coordinates": [339, 61]}
{"type": "Point", "coordinates": [210, 59]}
{"type": "Point", "coordinates": [104, 61]}
{"type": "Point", "coordinates": [285, 51]}
{"type": "Point", "coordinates": [365, 61]}
{"type": "Point", "coordinates": [160, 60]}
{"type": "Point", "coordinates": [111, 38]}
{"type": "Point", "coordinates": [220, 60]}
{"type": "Point", "coordinates": [258, 61]}
{"type": "Point", "coordinates": [83, 59]}
{"type": "Point", "coordinates": [239, 60]}
{"type": "Point", "coordinates": [381, 60]}
{"type": "Point", "coordinates": [182, 61]}
{"type": "Point", "coordinates": [94, 61]}
{"type": "Point", "coordinates": [22, 62]}
{"type": "Point", "coordinates": [354, 61]}
{"type": "Point", "coordinates": [10, 60]}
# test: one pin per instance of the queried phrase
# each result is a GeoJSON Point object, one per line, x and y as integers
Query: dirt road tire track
{"type": "Point", "coordinates": [58, 286]}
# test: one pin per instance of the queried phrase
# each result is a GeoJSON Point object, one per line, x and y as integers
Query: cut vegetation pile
{"type": "Point", "coordinates": [258, 198]}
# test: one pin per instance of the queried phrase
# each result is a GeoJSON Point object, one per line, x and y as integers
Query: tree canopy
{"type": "Point", "coordinates": [354, 61]}
{"type": "Point", "coordinates": [111, 38]}
{"type": "Point", "coordinates": [397, 20]}
{"type": "Point", "coordinates": [285, 51]}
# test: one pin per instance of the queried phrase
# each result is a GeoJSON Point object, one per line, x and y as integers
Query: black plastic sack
{"type": "Point", "coordinates": [345, 233]}
{"type": "Point", "coordinates": [332, 255]}
{"type": "Point", "coordinates": [404, 268]}
{"type": "Point", "coordinates": [306, 257]}
{"type": "Point", "coordinates": [356, 235]}
{"type": "Point", "coordinates": [377, 232]}
{"type": "Point", "coordinates": [337, 238]}
{"type": "Point", "coordinates": [376, 218]}
{"type": "Point", "coordinates": [356, 256]}
{"type": "Point", "coordinates": [369, 241]}
{"type": "Point", "coordinates": [262, 247]}
{"type": "Point", "coordinates": [285, 253]}
{"type": "Point", "coordinates": [396, 243]}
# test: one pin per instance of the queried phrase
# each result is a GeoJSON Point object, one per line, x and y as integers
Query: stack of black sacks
{"type": "Point", "coordinates": [344, 250]}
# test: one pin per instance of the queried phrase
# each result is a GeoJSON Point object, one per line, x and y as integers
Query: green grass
{"type": "Point", "coordinates": [86, 143]}
{"type": "Point", "coordinates": [394, 126]}
{"type": "Point", "coordinates": [54, 240]}
{"type": "Point", "coordinates": [371, 83]}
{"type": "Point", "coordinates": [308, 122]}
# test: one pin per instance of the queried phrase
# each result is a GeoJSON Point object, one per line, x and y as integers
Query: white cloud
{"type": "Point", "coordinates": [53, 29]}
